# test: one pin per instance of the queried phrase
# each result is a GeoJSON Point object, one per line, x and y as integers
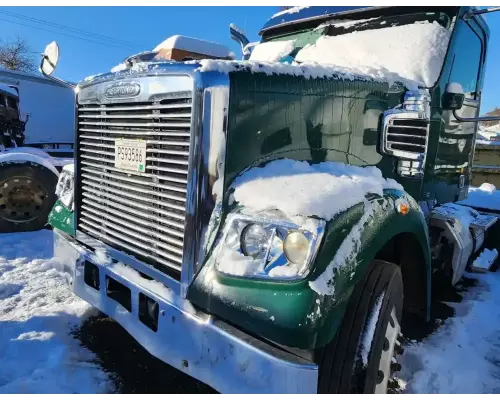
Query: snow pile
{"type": "Point", "coordinates": [489, 134]}
{"type": "Point", "coordinates": [194, 45]}
{"type": "Point", "coordinates": [485, 196]}
{"type": "Point", "coordinates": [413, 52]}
{"type": "Point", "coordinates": [485, 260]}
{"type": "Point", "coordinates": [462, 356]}
{"type": "Point", "coordinates": [37, 313]}
{"type": "Point", "coordinates": [233, 262]}
{"type": "Point", "coordinates": [291, 10]}
{"type": "Point", "coordinates": [272, 51]}
{"type": "Point", "coordinates": [299, 189]}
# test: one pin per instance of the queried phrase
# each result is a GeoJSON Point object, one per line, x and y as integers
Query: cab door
{"type": "Point", "coordinates": [455, 150]}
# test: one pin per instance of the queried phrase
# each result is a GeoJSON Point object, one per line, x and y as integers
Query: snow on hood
{"type": "Point", "coordinates": [297, 188]}
{"type": "Point", "coordinates": [413, 52]}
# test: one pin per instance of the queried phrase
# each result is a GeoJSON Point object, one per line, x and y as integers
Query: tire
{"type": "Point", "coordinates": [27, 194]}
{"type": "Point", "coordinates": [344, 365]}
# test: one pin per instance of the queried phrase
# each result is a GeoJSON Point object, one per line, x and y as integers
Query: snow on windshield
{"type": "Point", "coordinates": [291, 10]}
{"type": "Point", "coordinates": [272, 51]}
{"type": "Point", "coordinates": [414, 52]}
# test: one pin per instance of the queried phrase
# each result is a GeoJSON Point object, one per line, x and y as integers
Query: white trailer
{"type": "Point", "coordinates": [37, 122]}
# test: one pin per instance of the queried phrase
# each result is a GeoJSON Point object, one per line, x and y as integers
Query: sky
{"type": "Point", "coordinates": [142, 28]}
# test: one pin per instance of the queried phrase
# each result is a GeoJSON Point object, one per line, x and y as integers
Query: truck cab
{"type": "Point", "coordinates": [263, 225]}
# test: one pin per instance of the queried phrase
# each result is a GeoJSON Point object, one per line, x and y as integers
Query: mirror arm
{"type": "Point", "coordinates": [470, 14]}
{"type": "Point", "coordinates": [475, 119]}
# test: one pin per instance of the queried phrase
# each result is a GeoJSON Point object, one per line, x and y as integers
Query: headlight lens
{"type": "Point", "coordinates": [267, 249]}
{"type": "Point", "coordinates": [255, 240]}
{"type": "Point", "coordinates": [296, 247]}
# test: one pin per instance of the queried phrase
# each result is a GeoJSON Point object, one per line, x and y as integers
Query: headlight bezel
{"type": "Point", "coordinates": [311, 228]}
{"type": "Point", "coordinates": [65, 189]}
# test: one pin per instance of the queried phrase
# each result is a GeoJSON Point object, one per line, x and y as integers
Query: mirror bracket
{"type": "Point", "coordinates": [475, 119]}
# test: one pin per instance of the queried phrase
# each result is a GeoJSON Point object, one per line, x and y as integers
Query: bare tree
{"type": "Point", "coordinates": [17, 55]}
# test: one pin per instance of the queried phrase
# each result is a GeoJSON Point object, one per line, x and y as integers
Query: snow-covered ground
{"type": "Point", "coordinates": [38, 353]}
{"type": "Point", "coordinates": [463, 355]}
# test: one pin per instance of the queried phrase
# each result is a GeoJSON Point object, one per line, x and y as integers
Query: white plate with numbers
{"type": "Point", "coordinates": [130, 155]}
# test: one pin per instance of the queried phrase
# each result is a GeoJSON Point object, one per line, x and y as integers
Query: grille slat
{"type": "Point", "coordinates": [103, 204]}
{"type": "Point", "coordinates": [127, 246]}
{"type": "Point", "coordinates": [141, 213]}
{"type": "Point", "coordinates": [103, 211]}
{"type": "Point", "coordinates": [136, 133]}
{"type": "Point", "coordinates": [408, 135]}
{"type": "Point", "coordinates": [127, 234]}
{"type": "Point", "coordinates": [136, 108]}
{"type": "Point", "coordinates": [137, 124]}
{"type": "Point", "coordinates": [133, 180]}
{"type": "Point", "coordinates": [133, 188]}
{"type": "Point", "coordinates": [162, 177]}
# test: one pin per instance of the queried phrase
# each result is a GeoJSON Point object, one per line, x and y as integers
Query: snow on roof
{"type": "Point", "coordinates": [8, 89]}
{"type": "Point", "coordinates": [299, 189]}
{"type": "Point", "coordinates": [485, 196]}
{"type": "Point", "coordinates": [413, 52]}
{"type": "Point", "coordinates": [195, 46]}
{"type": "Point", "coordinates": [272, 51]}
{"type": "Point", "coordinates": [291, 10]}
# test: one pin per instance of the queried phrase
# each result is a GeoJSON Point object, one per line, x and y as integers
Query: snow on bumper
{"type": "Point", "coordinates": [208, 349]}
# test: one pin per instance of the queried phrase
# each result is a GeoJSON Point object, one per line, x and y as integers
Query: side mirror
{"type": "Point", "coordinates": [50, 57]}
{"type": "Point", "coordinates": [453, 100]}
{"type": "Point", "coordinates": [453, 97]}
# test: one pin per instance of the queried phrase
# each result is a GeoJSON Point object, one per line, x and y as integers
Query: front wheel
{"type": "Point", "coordinates": [362, 357]}
{"type": "Point", "coordinates": [27, 194]}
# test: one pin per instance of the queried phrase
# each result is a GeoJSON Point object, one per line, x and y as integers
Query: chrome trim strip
{"type": "Point", "coordinates": [207, 158]}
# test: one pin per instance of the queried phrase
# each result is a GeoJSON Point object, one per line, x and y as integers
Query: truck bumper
{"type": "Point", "coordinates": [198, 344]}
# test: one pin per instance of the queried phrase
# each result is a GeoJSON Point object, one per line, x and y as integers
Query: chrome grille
{"type": "Point", "coordinates": [409, 135]}
{"type": "Point", "coordinates": [143, 214]}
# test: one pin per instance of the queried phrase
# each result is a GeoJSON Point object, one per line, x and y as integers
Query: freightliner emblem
{"type": "Point", "coordinates": [122, 90]}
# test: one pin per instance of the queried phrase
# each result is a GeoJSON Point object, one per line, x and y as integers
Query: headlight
{"type": "Point", "coordinates": [268, 249]}
{"type": "Point", "coordinates": [64, 188]}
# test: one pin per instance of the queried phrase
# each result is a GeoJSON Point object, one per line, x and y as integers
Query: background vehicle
{"type": "Point", "coordinates": [37, 128]}
{"type": "Point", "coordinates": [264, 225]}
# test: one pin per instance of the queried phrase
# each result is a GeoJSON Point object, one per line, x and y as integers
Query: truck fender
{"type": "Point", "coordinates": [334, 281]}
{"type": "Point", "coordinates": [20, 155]}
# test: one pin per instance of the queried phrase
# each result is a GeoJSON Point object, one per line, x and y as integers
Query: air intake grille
{"type": "Point", "coordinates": [407, 135]}
{"type": "Point", "coordinates": [141, 213]}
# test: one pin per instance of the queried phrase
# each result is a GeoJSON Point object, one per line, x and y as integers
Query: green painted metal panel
{"type": "Point", "coordinates": [62, 218]}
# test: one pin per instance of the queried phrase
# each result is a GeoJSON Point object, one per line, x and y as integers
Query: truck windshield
{"type": "Point", "coordinates": [411, 47]}
{"type": "Point", "coordinates": [341, 27]}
